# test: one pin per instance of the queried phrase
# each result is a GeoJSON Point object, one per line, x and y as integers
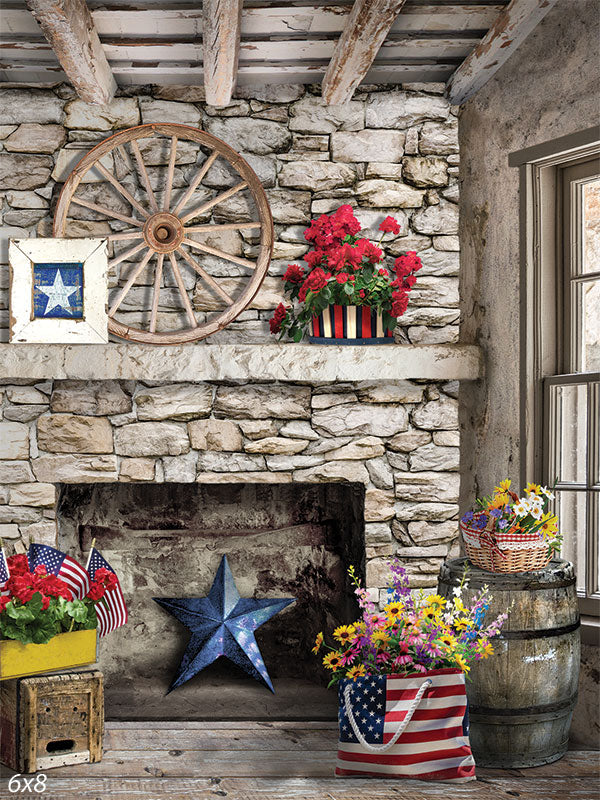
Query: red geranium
{"type": "Point", "coordinates": [399, 303]}
{"type": "Point", "coordinates": [294, 273]}
{"type": "Point", "coordinates": [390, 225]}
{"type": "Point", "coordinates": [314, 283]}
{"type": "Point", "coordinates": [342, 277]}
{"type": "Point", "coordinates": [18, 564]}
{"type": "Point", "coordinates": [409, 262]}
{"type": "Point", "coordinates": [96, 591]}
{"type": "Point", "coordinates": [276, 321]}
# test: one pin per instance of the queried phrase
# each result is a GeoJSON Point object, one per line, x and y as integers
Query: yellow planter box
{"type": "Point", "coordinates": [63, 651]}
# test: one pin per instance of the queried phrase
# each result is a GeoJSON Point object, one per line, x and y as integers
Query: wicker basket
{"type": "Point", "coordinates": [496, 552]}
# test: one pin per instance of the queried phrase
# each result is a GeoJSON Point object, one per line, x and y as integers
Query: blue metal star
{"type": "Point", "coordinates": [222, 624]}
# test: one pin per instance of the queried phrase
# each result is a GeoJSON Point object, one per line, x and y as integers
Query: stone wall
{"type": "Point", "coordinates": [385, 152]}
{"type": "Point", "coordinates": [398, 440]}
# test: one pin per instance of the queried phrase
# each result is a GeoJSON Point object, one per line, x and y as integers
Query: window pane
{"type": "Point", "coordinates": [591, 226]}
{"type": "Point", "coordinates": [570, 507]}
{"type": "Point", "coordinates": [589, 292]}
{"type": "Point", "coordinates": [572, 440]}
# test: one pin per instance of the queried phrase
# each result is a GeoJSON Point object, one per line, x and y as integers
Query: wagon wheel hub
{"type": "Point", "coordinates": [163, 232]}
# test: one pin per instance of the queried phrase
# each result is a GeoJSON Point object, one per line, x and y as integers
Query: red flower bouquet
{"type": "Point", "coordinates": [345, 270]}
{"type": "Point", "coordinates": [38, 605]}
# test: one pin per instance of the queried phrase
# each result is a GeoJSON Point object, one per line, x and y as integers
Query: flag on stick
{"type": "Point", "coordinates": [111, 609]}
{"type": "Point", "coordinates": [4, 572]}
{"type": "Point", "coordinates": [61, 565]}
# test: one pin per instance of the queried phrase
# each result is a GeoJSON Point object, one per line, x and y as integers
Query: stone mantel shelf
{"type": "Point", "coordinates": [240, 362]}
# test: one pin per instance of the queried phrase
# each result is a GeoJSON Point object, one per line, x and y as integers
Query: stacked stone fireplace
{"type": "Point", "coordinates": [294, 481]}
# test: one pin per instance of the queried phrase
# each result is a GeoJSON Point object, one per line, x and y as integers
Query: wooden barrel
{"type": "Point", "coordinates": [521, 698]}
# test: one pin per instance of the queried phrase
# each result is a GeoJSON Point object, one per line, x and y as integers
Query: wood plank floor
{"type": "Point", "coordinates": [276, 761]}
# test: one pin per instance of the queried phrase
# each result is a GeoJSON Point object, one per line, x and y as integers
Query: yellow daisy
{"type": "Point", "coordinates": [499, 500]}
{"type": "Point", "coordinates": [429, 614]}
{"type": "Point", "coordinates": [504, 486]}
{"type": "Point", "coordinates": [380, 638]}
{"type": "Point", "coordinates": [332, 660]}
{"type": "Point", "coordinates": [485, 649]}
{"type": "Point", "coordinates": [437, 601]}
{"type": "Point", "coordinates": [461, 662]}
{"type": "Point", "coordinates": [344, 634]}
{"type": "Point", "coordinates": [394, 609]}
{"type": "Point", "coordinates": [462, 624]}
{"type": "Point", "coordinates": [359, 671]}
{"type": "Point", "coordinates": [447, 641]}
{"type": "Point", "coordinates": [533, 488]}
{"type": "Point", "coordinates": [318, 643]}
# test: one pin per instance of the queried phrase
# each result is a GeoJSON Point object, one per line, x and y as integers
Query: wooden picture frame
{"type": "Point", "coordinates": [58, 291]}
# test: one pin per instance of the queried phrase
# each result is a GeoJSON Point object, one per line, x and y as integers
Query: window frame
{"type": "Point", "coordinates": [542, 355]}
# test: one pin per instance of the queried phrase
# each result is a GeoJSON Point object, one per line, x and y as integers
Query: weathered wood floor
{"type": "Point", "coordinates": [276, 761]}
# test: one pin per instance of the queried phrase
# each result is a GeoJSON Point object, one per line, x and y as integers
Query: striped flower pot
{"type": "Point", "coordinates": [349, 325]}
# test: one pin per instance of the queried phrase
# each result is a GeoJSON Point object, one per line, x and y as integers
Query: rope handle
{"type": "Point", "coordinates": [411, 710]}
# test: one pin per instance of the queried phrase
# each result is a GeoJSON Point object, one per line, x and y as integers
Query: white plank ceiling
{"type": "Point", "coordinates": [160, 42]}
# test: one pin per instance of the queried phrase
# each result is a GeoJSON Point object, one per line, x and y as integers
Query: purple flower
{"type": "Point", "coordinates": [495, 512]}
{"type": "Point", "coordinates": [481, 522]}
{"type": "Point", "coordinates": [468, 517]}
{"type": "Point", "coordinates": [502, 524]}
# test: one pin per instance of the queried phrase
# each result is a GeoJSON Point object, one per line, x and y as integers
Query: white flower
{"type": "Point", "coordinates": [537, 512]}
{"type": "Point", "coordinates": [457, 591]}
{"type": "Point", "coordinates": [521, 508]}
{"type": "Point", "coordinates": [548, 493]}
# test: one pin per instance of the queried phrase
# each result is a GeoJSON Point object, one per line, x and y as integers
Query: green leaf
{"type": "Point", "coordinates": [22, 614]}
{"type": "Point", "coordinates": [77, 610]}
{"type": "Point", "coordinates": [348, 289]}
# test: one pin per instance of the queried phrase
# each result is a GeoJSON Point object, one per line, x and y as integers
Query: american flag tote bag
{"type": "Point", "coordinates": [414, 727]}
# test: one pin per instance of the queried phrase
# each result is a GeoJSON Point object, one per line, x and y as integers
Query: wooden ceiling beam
{"type": "Point", "coordinates": [69, 28]}
{"type": "Point", "coordinates": [221, 31]}
{"type": "Point", "coordinates": [510, 29]}
{"type": "Point", "coordinates": [365, 31]}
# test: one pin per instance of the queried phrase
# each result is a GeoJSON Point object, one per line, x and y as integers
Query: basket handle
{"type": "Point", "coordinates": [401, 728]}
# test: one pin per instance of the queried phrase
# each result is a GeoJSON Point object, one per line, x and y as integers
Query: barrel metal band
{"type": "Point", "coordinates": [541, 634]}
{"type": "Point", "coordinates": [563, 705]}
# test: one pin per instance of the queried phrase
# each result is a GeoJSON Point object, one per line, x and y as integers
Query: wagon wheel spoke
{"type": "Point", "coordinates": [214, 251]}
{"type": "Point", "coordinates": [144, 175]}
{"type": "Point", "coordinates": [215, 201]}
{"type": "Point", "coordinates": [126, 253]}
{"type": "Point", "coordinates": [106, 211]}
{"type": "Point", "coordinates": [156, 292]}
{"type": "Point", "coordinates": [165, 227]}
{"type": "Point", "coordinates": [206, 277]}
{"type": "Point", "coordinates": [197, 180]}
{"type": "Point", "coordinates": [170, 173]}
{"type": "Point", "coordinates": [225, 226]}
{"type": "Point", "coordinates": [124, 235]}
{"type": "Point", "coordinates": [182, 291]}
{"type": "Point", "coordinates": [132, 279]}
{"type": "Point", "coordinates": [121, 189]}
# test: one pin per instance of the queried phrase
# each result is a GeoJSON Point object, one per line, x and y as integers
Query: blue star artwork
{"type": "Point", "coordinates": [222, 624]}
{"type": "Point", "coordinates": [58, 290]}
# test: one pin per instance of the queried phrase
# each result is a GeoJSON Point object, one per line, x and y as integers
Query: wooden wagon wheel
{"type": "Point", "coordinates": [163, 220]}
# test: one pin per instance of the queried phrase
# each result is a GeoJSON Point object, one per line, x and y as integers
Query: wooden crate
{"type": "Point", "coordinates": [51, 720]}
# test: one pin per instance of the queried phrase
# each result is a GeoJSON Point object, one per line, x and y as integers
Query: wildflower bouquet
{"type": "Point", "coordinates": [413, 634]}
{"type": "Point", "coordinates": [508, 533]}
{"type": "Point", "coordinates": [39, 605]}
{"type": "Point", "coordinates": [344, 269]}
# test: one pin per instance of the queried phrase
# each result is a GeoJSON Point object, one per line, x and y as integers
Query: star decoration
{"type": "Point", "coordinates": [222, 624]}
{"type": "Point", "coordinates": [58, 294]}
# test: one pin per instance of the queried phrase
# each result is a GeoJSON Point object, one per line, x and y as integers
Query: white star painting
{"type": "Point", "coordinates": [58, 294]}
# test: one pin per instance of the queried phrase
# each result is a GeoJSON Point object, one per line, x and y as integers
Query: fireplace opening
{"type": "Point", "coordinates": [167, 540]}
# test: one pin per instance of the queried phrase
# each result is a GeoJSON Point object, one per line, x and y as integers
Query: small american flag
{"type": "Point", "coordinates": [435, 744]}
{"type": "Point", "coordinates": [111, 610]}
{"type": "Point", "coordinates": [61, 565]}
{"type": "Point", "coordinates": [4, 573]}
